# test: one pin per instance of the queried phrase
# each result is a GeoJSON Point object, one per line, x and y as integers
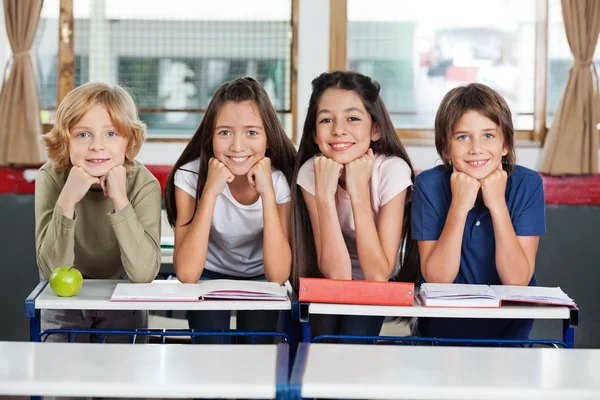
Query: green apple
{"type": "Point", "coordinates": [66, 281]}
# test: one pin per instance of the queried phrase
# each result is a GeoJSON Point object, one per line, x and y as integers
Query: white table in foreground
{"type": "Point", "coordinates": [157, 371]}
{"type": "Point", "coordinates": [423, 372]}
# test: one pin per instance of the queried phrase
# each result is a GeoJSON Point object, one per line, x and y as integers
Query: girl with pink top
{"type": "Point", "coordinates": [352, 181]}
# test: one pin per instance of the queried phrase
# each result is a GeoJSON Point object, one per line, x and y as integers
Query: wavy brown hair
{"type": "Point", "coordinates": [120, 107]}
{"type": "Point", "coordinates": [304, 255]}
{"type": "Point", "coordinates": [281, 151]}
{"type": "Point", "coordinates": [487, 102]}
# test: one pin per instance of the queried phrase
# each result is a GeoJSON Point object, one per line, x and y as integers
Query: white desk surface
{"type": "Point", "coordinates": [513, 312]}
{"type": "Point", "coordinates": [420, 372]}
{"type": "Point", "coordinates": [125, 370]}
{"type": "Point", "coordinates": [95, 295]}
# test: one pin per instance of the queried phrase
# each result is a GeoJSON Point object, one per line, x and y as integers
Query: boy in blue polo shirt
{"type": "Point", "coordinates": [477, 218]}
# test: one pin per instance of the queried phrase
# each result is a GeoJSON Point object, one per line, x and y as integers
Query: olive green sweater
{"type": "Point", "coordinates": [100, 242]}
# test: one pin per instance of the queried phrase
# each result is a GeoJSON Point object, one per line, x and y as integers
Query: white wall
{"type": "Point", "coordinates": [313, 50]}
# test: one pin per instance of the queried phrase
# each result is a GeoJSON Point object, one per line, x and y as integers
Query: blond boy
{"type": "Point", "coordinates": [96, 208]}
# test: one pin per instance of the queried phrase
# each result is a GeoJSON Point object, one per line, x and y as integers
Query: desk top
{"type": "Point", "coordinates": [421, 372]}
{"type": "Point", "coordinates": [151, 370]}
{"type": "Point", "coordinates": [95, 295]}
{"type": "Point", "coordinates": [513, 312]}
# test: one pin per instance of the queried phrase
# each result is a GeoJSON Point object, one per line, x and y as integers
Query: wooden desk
{"type": "Point", "coordinates": [424, 372]}
{"type": "Point", "coordinates": [143, 371]}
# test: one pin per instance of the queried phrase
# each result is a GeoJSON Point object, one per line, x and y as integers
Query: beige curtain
{"type": "Point", "coordinates": [571, 146]}
{"type": "Point", "coordinates": [20, 126]}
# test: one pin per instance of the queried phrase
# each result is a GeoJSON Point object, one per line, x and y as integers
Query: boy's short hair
{"type": "Point", "coordinates": [120, 107]}
{"type": "Point", "coordinates": [484, 100]}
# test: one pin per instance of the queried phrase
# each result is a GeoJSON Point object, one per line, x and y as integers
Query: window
{"type": "Point", "coordinates": [418, 55]}
{"type": "Point", "coordinates": [560, 58]}
{"type": "Point", "coordinates": [172, 55]}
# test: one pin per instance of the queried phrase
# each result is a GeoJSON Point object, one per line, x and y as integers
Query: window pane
{"type": "Point", "coordinates": [172, 55]}
{"type": "Point", "coordinates": [418, 55]}
{"type": "Point", "coordinates": [45, 59]}
{"type": "Point", "coordinates": [560, 58]}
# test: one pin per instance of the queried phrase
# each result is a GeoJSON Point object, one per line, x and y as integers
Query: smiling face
{"type": "Point", "coordinates": [94, 143]}
{"type": "Point", "coordinates": [344, 129]}
{"type": "Point", "coordinates": [239, 139]}
{"type": "Point", "coordinates": [476, 145]}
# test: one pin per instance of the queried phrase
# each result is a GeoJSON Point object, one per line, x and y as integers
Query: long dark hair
{"type": "Point", "coordinates": [304, 256]}
{"type": "Point", "coordinates": [281, 150]}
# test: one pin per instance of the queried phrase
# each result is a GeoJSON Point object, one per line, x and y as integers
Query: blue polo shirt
{"type": "Point", "coordinates": [430, 204]}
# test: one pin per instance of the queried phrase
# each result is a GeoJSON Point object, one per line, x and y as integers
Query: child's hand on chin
{"type": "Point", "coordinates": [493, 188]}
{"type": "Point", "coordinates": [358, 174]}
{"type": "Point", "coordinates": [260, 178]}
{"type": "Point", "coordinates": [114, 186]}
{"type": "Point", "coordinates": [464, 190]}
{"type": "Point", "coordinates": [218, 176]}
{"type": "Point", "coordinates": [327, 175]}
{"type": "Point", "coordinates": [77, 185]}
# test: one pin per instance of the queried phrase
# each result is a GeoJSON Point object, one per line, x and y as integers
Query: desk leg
{"type": "Point", "coordinates": [290, 327]}
{"type": "Point", "coordinates": [297, 375]}
{"type": "Point", "coordinates": [568, 334]}
{"type": "Point", "coordinates": [306, 331]}
{"type": "Point", "coordinates": [34, 327]}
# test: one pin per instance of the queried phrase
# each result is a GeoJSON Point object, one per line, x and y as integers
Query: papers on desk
{"type": "Point", "coordinates": [222, 289]}
{"type": "Point", "coordinates": [461, 295]}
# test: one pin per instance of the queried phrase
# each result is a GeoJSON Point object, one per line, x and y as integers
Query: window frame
{"type": "Point", "coordinates": [338, 59]}
{"type": "Point", "coordinates": [66, 71]}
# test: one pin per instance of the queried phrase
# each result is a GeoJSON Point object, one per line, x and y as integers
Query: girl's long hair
{"type": "Point", "coordinates": [281, 150]}
{"type": "Point", "coordinates": [304, 255]}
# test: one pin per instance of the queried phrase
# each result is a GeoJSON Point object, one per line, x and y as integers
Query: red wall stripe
{"type": "Point", "coordinates": [566, 190]}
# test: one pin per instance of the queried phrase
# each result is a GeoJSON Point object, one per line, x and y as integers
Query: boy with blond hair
{"type": "Point", "coordinates": [96, 208]}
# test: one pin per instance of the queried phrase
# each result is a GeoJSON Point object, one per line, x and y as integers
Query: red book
{"type": "Point", "coordinates": [320, 290]}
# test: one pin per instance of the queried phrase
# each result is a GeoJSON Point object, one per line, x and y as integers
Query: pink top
{"type": "Point", "coordinates": [390, 177]}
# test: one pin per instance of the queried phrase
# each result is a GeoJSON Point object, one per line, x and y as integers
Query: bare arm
{"type": "Point", "coordinates": [378, 245]}
{"type": "Point", "coordinates": [191, 241]}
{"type": "Point", "coordinates": [515, 255]}
{"type": "Point", "coordinates": [440, 259]}
{"type": "Point", "coordinates": [277, 254]}
{"type": "Point", "coordinates": [332, 253]}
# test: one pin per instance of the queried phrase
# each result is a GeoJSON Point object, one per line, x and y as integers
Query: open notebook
{"type": "Point", "coordinates": [223, 289]}
{"type": "Point", "coordinates": [461, 295]}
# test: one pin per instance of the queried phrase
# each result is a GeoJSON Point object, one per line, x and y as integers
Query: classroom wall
{"type": "Point", "coordinates": [568, 257]}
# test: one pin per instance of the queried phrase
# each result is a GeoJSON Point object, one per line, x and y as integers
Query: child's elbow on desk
{"type": "Point", "coordinates": [516, 281]}
{"type": "Point", "coordinates": [437, 277]}
{"type": "Point", "coordinates": [187, 276]}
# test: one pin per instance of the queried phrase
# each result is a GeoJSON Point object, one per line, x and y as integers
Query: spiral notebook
{"type": "Point", "coordinates": [222, 289]}
{"type": "Point", "coordinates": [463, 295]}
